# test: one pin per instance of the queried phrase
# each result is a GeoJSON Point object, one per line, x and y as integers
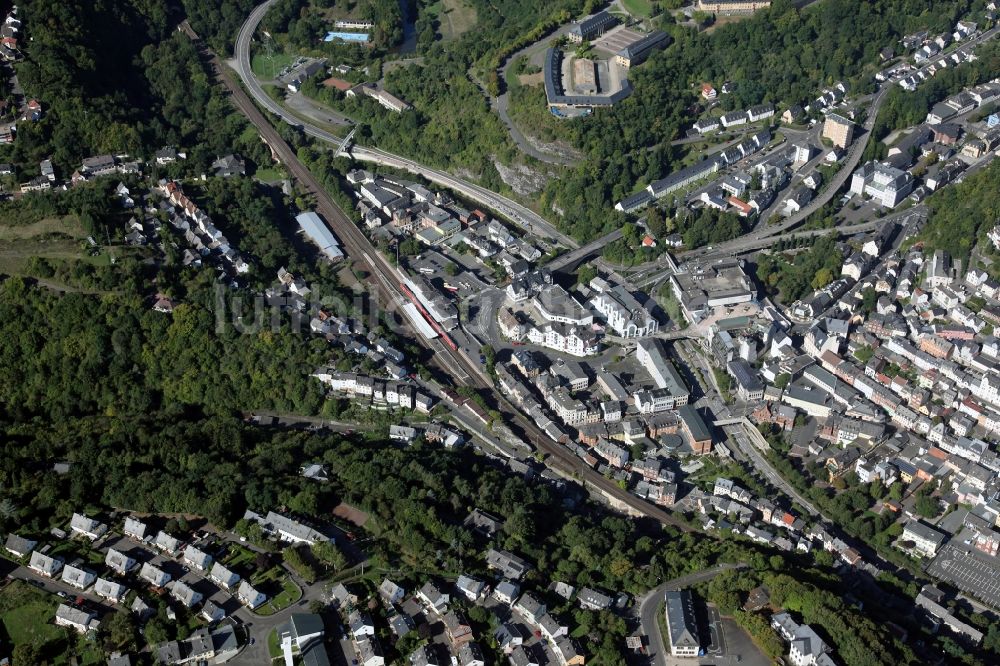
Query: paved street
{"type": "Point", "coordinates": [829, 190]}
{"type": "Point", "coordinates": [515, 212]}
{"type": "Point", "coordinates": [649, 609]}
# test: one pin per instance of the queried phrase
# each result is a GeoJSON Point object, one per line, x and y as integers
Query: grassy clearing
{"type": "Point", "coordinates": [269, 175]}
{"type": "Point", "coordinates": [27, 615]}
{"type": "Point", "coordinates": [239, 558]}
{"type": "Point", "coordinates": [54, 238]}
{"type": "Point", "coordinates": [68, 226]}
{"type": "Point", "coordinates": [455, 17]}
{"type": "Point", "coordinates": [265, 68]}
{"type": "Point", "coordinates": [15, 256]}
{"type": "Point", "coordinates": [668, 301]}
{"type": "Point", "coordinates": [535, 79]}
{"type": "Point", "coordinates": [638, 8]}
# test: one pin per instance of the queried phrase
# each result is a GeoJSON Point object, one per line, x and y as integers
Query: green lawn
{"type": "Point", "coordinates": [269, 175]}
{"type": "Point", "coordinates": [264, 68]}
{"type": "Point", "coordinates": [239, 557]}
{"type": "Point", "coordinates": [290, 593]}
{"type": "Point", "coordinates": [273, 645]}
{"type": "Point", "coordinates": [27, 615]}
{"type": "Point", "coordinates": [638, 8]}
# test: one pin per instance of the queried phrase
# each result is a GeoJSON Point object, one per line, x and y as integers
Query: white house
{"type": "Point", "coordinates": [81, 579]}
{"type": "Point", "coordinates": [135, 529]}
{"type": "Point", "coordinates": [185, 594]}
{"type": "Point", "coordinates": [119, 562]}
{"type": "Point", "coordinates": [249, 596]}
{"type": "Point", "coordinates": [153, 575]}
{"type": "Point", "coordinates": [74, 618]}
{"type": "Point", "coordinates": [44, 565]}
{"type": "Point", "coordinates": [197, 558]}
{"type": "Point", "coordinates": [110, 590]}
{"type": "Point", "coordinates": [223, 576]}
{"type": "Point", "coordinates": [88, 527]}
{"type": "Point", "coordinates": [926, 540]}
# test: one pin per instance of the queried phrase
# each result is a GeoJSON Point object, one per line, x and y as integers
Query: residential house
{"type": "Point", "coordinates": [88, 527]}
{"type": "Point", "coordinates": [197, 558]}
{"type": "Point", "coordinates": [509, 565]}
{"type": "Point", "coordinates": [433, 598]}
{"type": "Point", "coordinates": [119, 562]}
{"type": "Point", "coordinates": [249, 596]}
{"type": "Point", "coordinates": [926, 539]}
{"type": "Point", "coordinates": [472, 589]}
{"type": "Point", "coordinates": [154, 575]}
{"type": "Point", "coordinates": [77, 577]}
{"type": "Point", "coordinates": [224, 577]}
{"type": "Point", "coordinates": [44, 565]}
{"type": "Point", "coordinates": [530, 607]}
{"type": "Point", "coordinates": [110, 590]}
{"type": "Point", "coordinates": [185, 594]}
{"type": "Point", "coordinates": [19, 546]}
{"type": "Point", "coordinates": [77, 619]}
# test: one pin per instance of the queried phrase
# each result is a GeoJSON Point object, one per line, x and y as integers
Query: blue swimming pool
{"type": "Point", "coordinates": [347, 36]}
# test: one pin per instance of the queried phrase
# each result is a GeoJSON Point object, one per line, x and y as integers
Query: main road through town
{"type": "Point", "coordinates": [847, 169]}
{"type": "Point", "coordinates": [462, 370]}
{"type": "Point", "coordinates": [515, 212]}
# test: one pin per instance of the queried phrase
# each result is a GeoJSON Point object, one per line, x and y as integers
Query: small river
{"type": "Point", "coordinates": [409, 11]}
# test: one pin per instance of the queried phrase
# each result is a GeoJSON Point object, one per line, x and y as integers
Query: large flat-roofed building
{"type": "Point", "coordinates": [585, 76]}
{"type": "Point", "coordinates": [637, 52]}
{"type": "Point", "coordinates": [732, 6]}
{"type": "Point", "coordinates": [319, 233]}
{"type": "Point", "coordinates": [696, 429]}
{"type": "Point", "coordinates": [383, 97]}
{"type": "Point", "coordinates": [719, 284]}
{"type": "Point", "coordinates": [636, 201]}
{"type": "Point", "coordinates": [838, 130]}
{"type": "Point", "coordinates": [557, 96]}
{"type": "Point", "coordinates": [883, 183]}
{"type": "Point", "coordinates": [682, 627]}
{"type": "Point", "coordinates": [592, 26]}
{"type": "Point", "coordinates": [652, 354]}
{"type": "Point", "coordinates": [748, 384]}
{"type": "Point", "coordinates": [675, 181]}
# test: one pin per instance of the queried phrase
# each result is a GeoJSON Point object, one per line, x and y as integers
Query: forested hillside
{"type": "Point", "coordinates": [779, 56]}
{"type": "Point", "coordinates": [79, 64]}
{"type": "Point", "coordinates": [962, 214]}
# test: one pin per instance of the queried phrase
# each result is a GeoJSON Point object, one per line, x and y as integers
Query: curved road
{"type": "Point", "coordinates": [649, 608]}
{"type": "Point", "coordinates": [515, 212]}
{"type": "Point", "coordinates": [652, 273]}
{"type": "Point", "coordinates": [501, 103]}
{"type": "Point", "coordinates": [839, 180]}
{"type": "Point", "coordinates": [463, 371]}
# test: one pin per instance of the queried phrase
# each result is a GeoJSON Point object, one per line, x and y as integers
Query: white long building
{"type": "Point", "coordinates": [652, 354]}
{"type": "Point", "coordinates": [624, 313]}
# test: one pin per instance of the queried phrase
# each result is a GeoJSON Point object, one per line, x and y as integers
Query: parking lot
{"type": "Point", "coordinates": [972, 572]}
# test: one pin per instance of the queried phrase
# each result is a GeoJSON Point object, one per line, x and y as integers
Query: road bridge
{"type": "Point", "coordinates": [455, 364]}
{"type": "Point", "coordinates": [517, 213]}
{"type": "Point", "coordinates": [569, 260]}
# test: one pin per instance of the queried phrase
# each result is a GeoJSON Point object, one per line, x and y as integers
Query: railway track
{"type": "Point", "coordinates": [462, 370]}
